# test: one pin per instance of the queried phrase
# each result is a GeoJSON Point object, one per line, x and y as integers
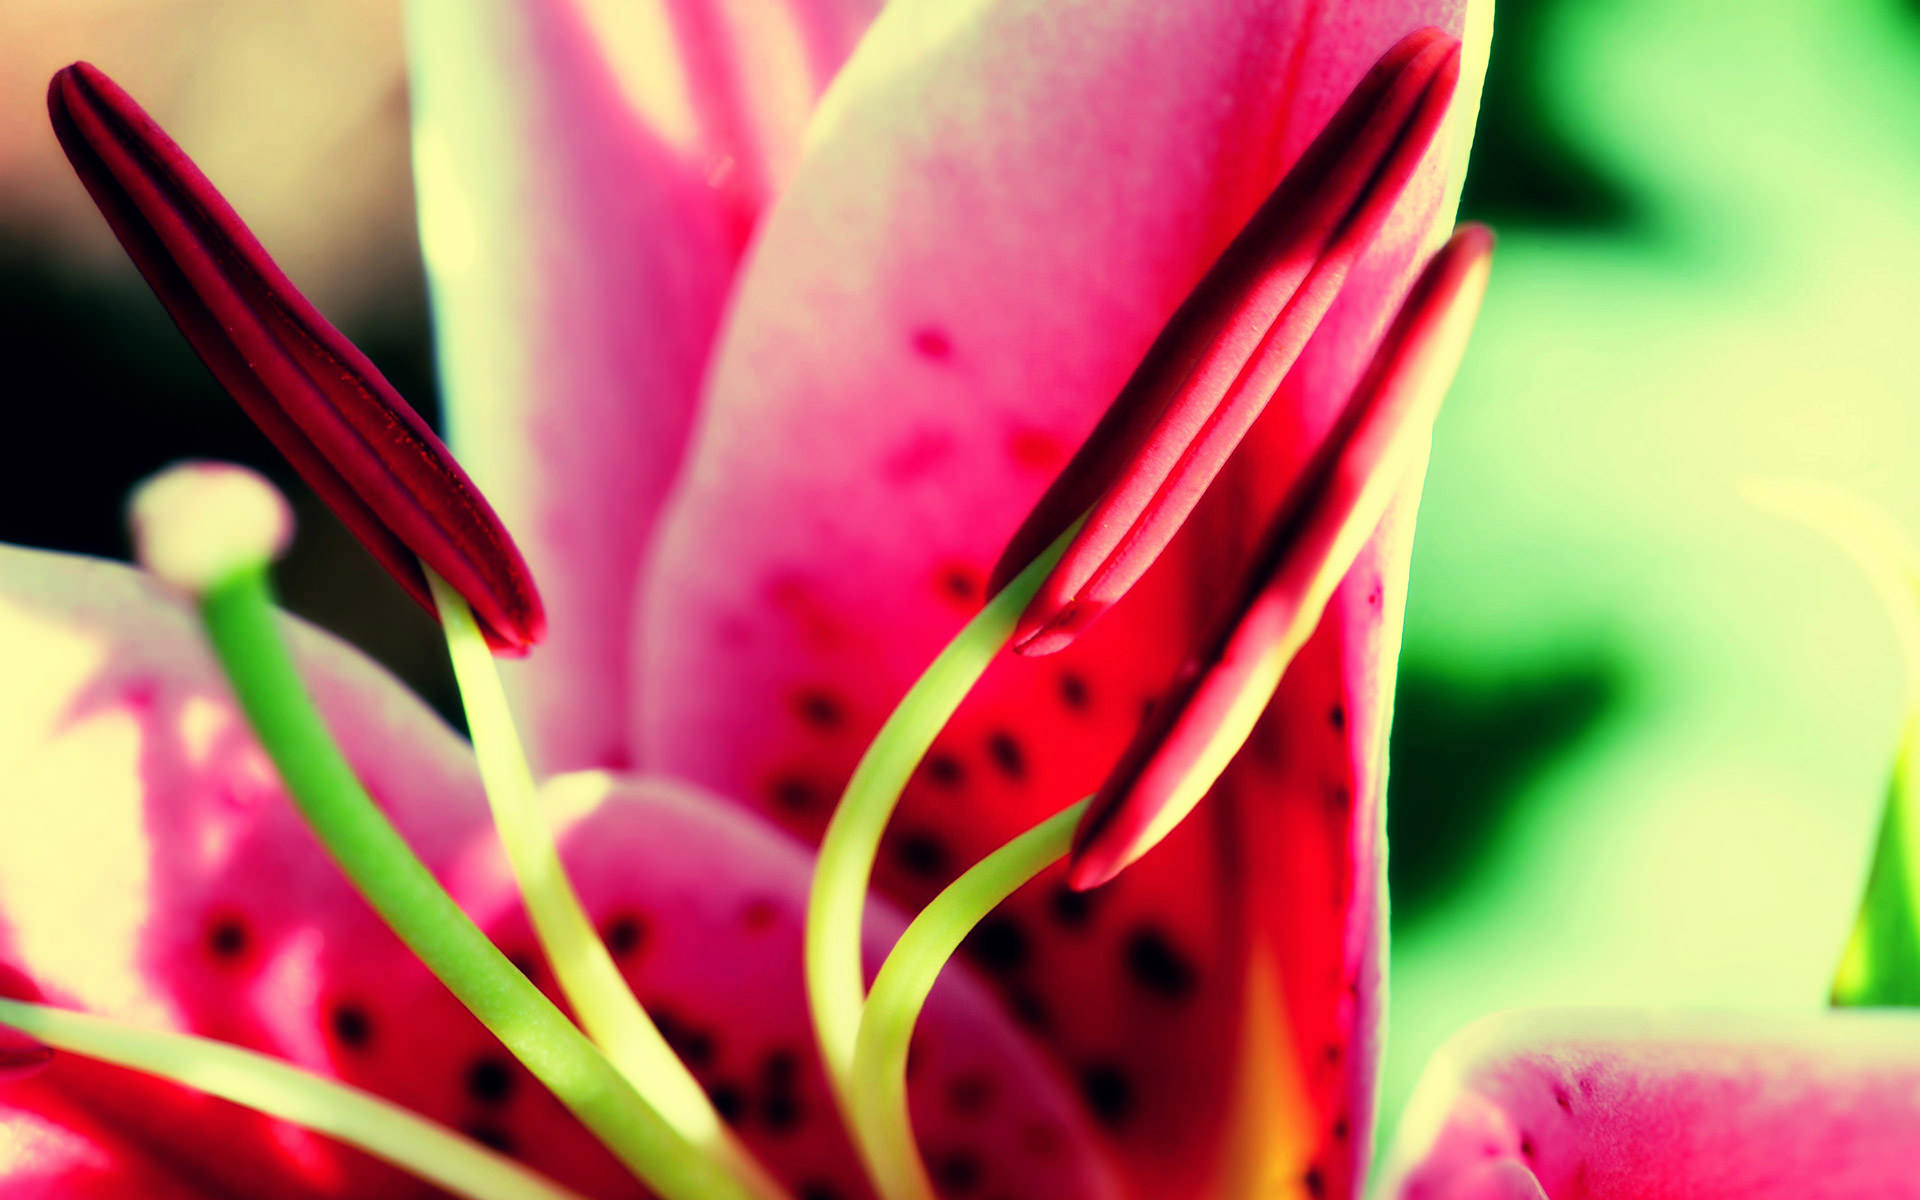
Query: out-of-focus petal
{"type": "Point", "coordinates": [151, 869]}
{"type": "Point", "coordinates": [1619, 1105]}
{"type": "Point", "coordinates": [993, 220]}
{"type": "Point", "coordinates": [588, 173]}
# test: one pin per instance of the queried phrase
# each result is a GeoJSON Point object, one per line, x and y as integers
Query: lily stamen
{"type": "Point", "coordinates": [322, 403]}
{"type": "Point", "coordinates": [1221, 357]}
{"type": "Point", "coordinates": [880, 1119]}
{"type": "Point", "coordinates": [1330, 512]}
{"type": "Point", "coordinates": [606, 1007]}
{"type": "Point", "coordinates": [241, 622]}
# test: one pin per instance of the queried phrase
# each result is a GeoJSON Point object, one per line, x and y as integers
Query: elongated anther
{"type": "Point", "coordinates": [316, 397]}
{"type": "Point", "coordinates": [1329, 512]}
{"type": "Point", "coordinates": [1226, 350]}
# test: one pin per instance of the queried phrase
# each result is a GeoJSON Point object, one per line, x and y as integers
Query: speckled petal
{"type": "Point", "coordinates": [993, 220]}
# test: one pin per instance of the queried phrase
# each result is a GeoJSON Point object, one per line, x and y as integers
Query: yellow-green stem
{"type": "Point", "coordinates": [380, 1128]}
{"type": "Point", "coordinates": [835, 986]}
{"type": "Point", "coordinates": [587, 974]}
{"type": "Point", "coordinates": [241, 623]}
{"type": "Point", "coordinates": [881, 1122]}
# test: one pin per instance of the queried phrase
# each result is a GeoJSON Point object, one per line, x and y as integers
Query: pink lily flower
{"type": "Point", "coordinates": [762, 410]}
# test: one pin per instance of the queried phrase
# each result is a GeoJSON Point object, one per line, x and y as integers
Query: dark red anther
{"type": "Point", "coordinates": [21, 1055]}
{"type": "Point", "coordinates": [316, 397]}
{"type": "Point", "coordinates": [1224, 353]}
{"type": "Point", "coordinates": [1330, 511]}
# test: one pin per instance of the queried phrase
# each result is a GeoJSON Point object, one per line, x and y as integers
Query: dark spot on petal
{"type": "Point", "coordinates": [780, 1112]}
{"type": "Point", "coordinates": [491, 1136]}
{"type": "Point", "coordinates": [1004, 749]}
{"type": "Point", "coordinates": [490, 1080]}
{"type": "Point", "coordinates": [1337, 716]}
{"type": "Point", "coordinates": [1072, 909]}
{"type": "Point", "coordinates": [957, 1173]}
{"type": "Point", "coordinates": [1586, 1086]}
{"type": "Point", "coordinates": [779, 1069]}
{"type": "Point", "coordinates": [1331, 1053]}
{"type": "Point", "coordinates": [1563, 1098]}
{"type": "Point", "coordinates": [932, 342]}
{"type": "Point", "coordinates": [1073, 691]}
{"type": "Point", "coordinates": [1526, 1146]}
{"type": "Point", "coordinates": [1339, 797]}
{"type": "Point", "coordinates": [693, 1045]}
{"type": "Point", "coordinates": [624, 935]}
{"type": "Point", "coordinates": [998, 944]}
{"type": "Point", "coordinates": [959, 583]}
{"type": "Point", "coordinates": [820, 709]}
{"type": "Point", "coordinates": [759, 914]}
{"type": "Point", "coordinates": [1159, 966]}
{"type": "Point", "coordinates": [920, 853]}
{"type": "Point", "coordinates": [728, 1102]}
{"type": "Point", "coordinates": [1340, 1131]}
{"type": "Point", "coordinates": [617, 759]}
{"type": "Point", "coordinates": [228, 938]}
{"type": "Point", "coordinates": [970, 1094]}
{"type": "Point", "coordinates": [1036, 451]}
{"type": "Point", "coordinates": [945, 771]}
{"type": "Point", "coordinates": [352, 1027]}
{"type": "Point", "coordinates": [817, 1191]}
{"type": "Point", "coordinates": [797, 794]}
{"type": "Point", "coordinates": [1107, 1092]}
{"type": "Point", "coordinates": [1314, 1182]}
{"type": "Point", "coordinates": [1030, 1010]}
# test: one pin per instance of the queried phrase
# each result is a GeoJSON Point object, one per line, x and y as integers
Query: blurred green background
{"type": "Point", "coordinates": [1643, 728]}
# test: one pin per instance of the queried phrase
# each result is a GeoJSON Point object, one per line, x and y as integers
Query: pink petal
{"type": "Point", "coordinates": [151, 869]}
{"type": "Point", "coordinates": [705, 912]}
{"type": "Point", "coordinates": [972, 258]}
{"type": "Point", "coordinates": [1607, 1105]}
{"type": "Point", "coordinates": [588, 174]}
{"type": "Point", "coordinates": [316, 397]}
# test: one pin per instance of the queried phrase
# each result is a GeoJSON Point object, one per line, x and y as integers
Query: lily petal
{"type": "Point", "coordinates": [152, 870]}
{"type": "Point", "coordinates": [991, 224]}
{"type": "Point", "coordinates": [1616, 1104]}
{"type": "Point", "coordinates": [588, 174]}
{"type": "Point", "coordinates": [316, 397]}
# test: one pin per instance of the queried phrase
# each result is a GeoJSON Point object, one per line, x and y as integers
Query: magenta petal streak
{"type": "Point", "coordinates": [321, 402]}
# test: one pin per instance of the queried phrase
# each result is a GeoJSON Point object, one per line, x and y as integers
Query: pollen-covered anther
{"type": "Point", "coordinates": [1225, 352]}
{"type": "Point", "coordinates": [1330, 511]}
{"type": "Point", "coordinates": [196, 525]}
{"type": "Point", "coordinates": [320, 401]}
